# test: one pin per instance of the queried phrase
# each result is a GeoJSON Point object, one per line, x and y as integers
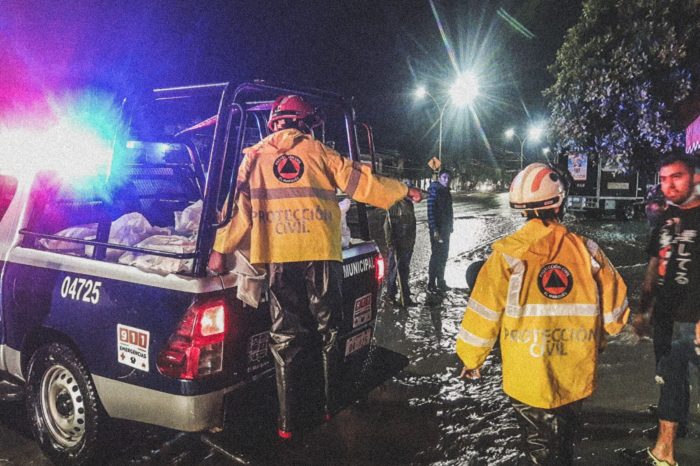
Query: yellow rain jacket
{"type": "Point", "coordinates": [549, 293]}
{"type": "Point", "coordinates": [286, 199]}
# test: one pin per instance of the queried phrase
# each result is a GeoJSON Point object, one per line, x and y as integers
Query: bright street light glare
{"type": "Point", "coordinates": [510, 132]}
{"type": "Point", "coordinates": [420, 92]}
{"type": "Point", "coordinates": [465, 89]}
{"type": "Point", "coordinates": [535, 132]}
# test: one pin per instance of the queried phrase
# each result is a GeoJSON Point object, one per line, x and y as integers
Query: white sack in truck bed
{"type": "Point", "coordinates": [128, 230]}
{"type": "Point", "coordinates": [188, 219]}
{"type": "Point", "coordinates": [88, 231]}
{"type": "Point", "coordinates": [159, 264]}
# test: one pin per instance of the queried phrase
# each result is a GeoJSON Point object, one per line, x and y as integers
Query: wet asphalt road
{"type": "Point", "coordinates": [426, 415]}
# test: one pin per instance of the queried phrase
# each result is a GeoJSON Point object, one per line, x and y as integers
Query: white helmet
{"type": "Point", "coordinates": [537, 187]}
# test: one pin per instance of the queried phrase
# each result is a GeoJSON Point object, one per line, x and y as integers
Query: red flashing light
{"type": "Point", "coordinates": [379, 268]}
{"type": "Point", "coordinates": [196, 348]}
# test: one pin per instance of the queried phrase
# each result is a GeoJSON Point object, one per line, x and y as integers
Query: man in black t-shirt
{"type": "Point", "coordinates": [673, 281]}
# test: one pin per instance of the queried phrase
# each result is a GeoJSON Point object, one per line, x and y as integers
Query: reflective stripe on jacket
{"type": "Point", "coordinates": [549, 293]}
{"type": "Point", "coordinates": [286, 199]}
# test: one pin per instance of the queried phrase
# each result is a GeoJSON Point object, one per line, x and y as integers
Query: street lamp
{"type": "Point", "coordinates": [463, 91]}
{"type": "Point", "coordinates": [534, 132]}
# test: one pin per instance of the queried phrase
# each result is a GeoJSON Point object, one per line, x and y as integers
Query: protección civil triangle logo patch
{"type": "Point", "coordinates": [555, 281]}
{"type": "Point", "coordinates": [288, 168]}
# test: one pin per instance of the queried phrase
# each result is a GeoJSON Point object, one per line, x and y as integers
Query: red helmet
{"type": "Point", "coordinates": [292, 107]}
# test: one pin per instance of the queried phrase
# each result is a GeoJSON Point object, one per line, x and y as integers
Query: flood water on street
{"type": "Point", "coordinates": [427, 415]}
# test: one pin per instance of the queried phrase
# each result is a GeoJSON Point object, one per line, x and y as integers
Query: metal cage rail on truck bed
{"type": "Point", "coordinates": [211, 178]}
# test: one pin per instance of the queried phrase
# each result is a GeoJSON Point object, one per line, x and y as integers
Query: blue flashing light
{"type": "Point", "coordinates": [75, 139]}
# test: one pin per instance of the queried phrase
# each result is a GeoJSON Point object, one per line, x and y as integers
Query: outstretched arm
{"type": "Point", "coordinates": [415, 194]}
{"type": "Point", "coordinates": [641, 321]}
{"type": "Point", "coordinates": [358, 181]}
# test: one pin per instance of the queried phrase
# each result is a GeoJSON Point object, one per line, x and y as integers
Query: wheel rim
{"type": "Point", "coordinates": [62, 406]}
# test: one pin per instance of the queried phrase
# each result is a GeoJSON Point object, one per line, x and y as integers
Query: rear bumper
{"type": "Point", "coordinates": [581, 203]}
{"type": "Point", "coordinates": [186, 413]}
{"type": "Point", "coordinates": [195, 413]}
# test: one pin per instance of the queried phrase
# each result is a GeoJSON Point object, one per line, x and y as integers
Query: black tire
{"type": "Point", "coordinates": [627, 212]}
{"type": "Point", "coordinates": [64, 411]}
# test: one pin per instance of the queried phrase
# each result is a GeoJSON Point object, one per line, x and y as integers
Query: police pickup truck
{"type": "Point", "coordinates": [107, 307]}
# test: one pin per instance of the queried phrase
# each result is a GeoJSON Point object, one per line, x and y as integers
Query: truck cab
{"type": "Point", "coordinates": [107, 307]}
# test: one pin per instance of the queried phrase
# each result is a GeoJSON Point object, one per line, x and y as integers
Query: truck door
{"type": "Point", "coordinates": [10, 209]}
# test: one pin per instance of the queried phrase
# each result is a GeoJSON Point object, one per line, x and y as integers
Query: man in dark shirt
{"type": "Point", "coordinates": [440, 219]}
{"type": "Point", "coordinates": [673, 279]}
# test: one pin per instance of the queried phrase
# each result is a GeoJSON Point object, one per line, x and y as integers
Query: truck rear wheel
{"type": "Point", "coordinates": [65, 413]}
{"type": "Point", "coordinates": [627, 212]}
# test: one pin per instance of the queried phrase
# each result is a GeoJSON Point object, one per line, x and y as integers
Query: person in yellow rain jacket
{"type": "Point", "coordinates": [550, 294]}
{"type": "Point", "coordinates": [286, 208]}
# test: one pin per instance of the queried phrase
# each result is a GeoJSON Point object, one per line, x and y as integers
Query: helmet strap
{"type": "Point", "coordinates": [303, 126]}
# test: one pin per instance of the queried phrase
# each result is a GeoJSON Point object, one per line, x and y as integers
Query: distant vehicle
{"type": "Point", "coordinates": [87, 334]}
{"type": "Point", "coordinates": [485, 186]}
{"type": "Point", "coordinates": [595, 191]}
{"type": "Point", "coordinates": [654, 205]}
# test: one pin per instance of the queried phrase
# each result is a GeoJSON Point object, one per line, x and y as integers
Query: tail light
{"type": "Point", "coordinates": [196, 348]}
{"type": "Point", "coordinates": [379, 268]}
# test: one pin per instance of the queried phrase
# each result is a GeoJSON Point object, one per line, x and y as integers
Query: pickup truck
{"type": "Point", "coordinates": [107, 307]}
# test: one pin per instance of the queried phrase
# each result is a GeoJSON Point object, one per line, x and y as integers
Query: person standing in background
{"type": "Point", "coordinates": [400, 234]}
{"type": "Point", "coordinates": [440, 221]}
{"type": "Point", "coordinates": [672, 283]}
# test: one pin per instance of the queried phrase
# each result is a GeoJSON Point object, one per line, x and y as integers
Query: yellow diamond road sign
{"type": "Point", "coordinates": [434, 163]}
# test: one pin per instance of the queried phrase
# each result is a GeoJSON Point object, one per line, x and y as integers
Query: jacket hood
{"type": "Point", "coordinates": [533, 238]}
{"type": "Point", "coordinates": [281, 140]}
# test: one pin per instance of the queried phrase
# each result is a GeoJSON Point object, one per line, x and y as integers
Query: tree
{"type": "Point", "coordinates": [621, 75]}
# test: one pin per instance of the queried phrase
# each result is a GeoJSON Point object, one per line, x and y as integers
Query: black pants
{"type": "Point", "coordinates": [303, 295]}
{"type": "Point", "coordinates": [400, 264]}
{"type": "Point", "coordinates": [663, 334]}
{"type": "Point", "coordinates": [663, 338]}
{"type": "Point", "coordinates": [550, 433]}
{"type": "Point", "coordinates": [674, 400]}
{"type": "Point", "coordinates": [438, 260]}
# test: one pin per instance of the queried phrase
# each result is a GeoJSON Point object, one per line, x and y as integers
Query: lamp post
{"type": "Point", "coordinates": [421, 92]}
{"type": "Point", "coordinates": [545, 152]}
{"type": "Point", "coordinates": [464, 90]}
{"type": "Point", "coordinates": [533, 133]}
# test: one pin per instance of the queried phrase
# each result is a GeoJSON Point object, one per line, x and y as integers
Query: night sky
{"type": "Point", "coordinates": [375, 50]}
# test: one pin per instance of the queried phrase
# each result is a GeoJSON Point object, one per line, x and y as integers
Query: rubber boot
{"type": "Point", "coordinates": [285, 397]}
{"type": "Point", "coordinates": [329, 359]}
